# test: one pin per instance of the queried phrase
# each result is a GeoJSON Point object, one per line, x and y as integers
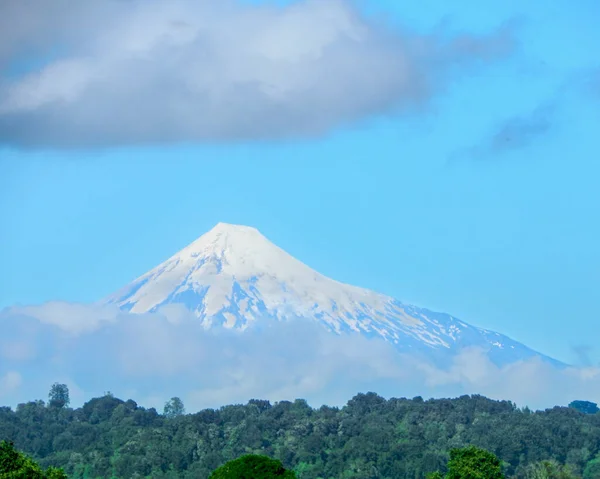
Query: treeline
{"type": "Point", "coordinates": [370, 437]}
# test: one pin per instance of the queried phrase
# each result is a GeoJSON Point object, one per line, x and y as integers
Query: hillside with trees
{"type": "Point", "coordinates": [370, 437]}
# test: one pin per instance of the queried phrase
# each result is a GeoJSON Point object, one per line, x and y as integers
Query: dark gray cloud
{"type": "Point", "coordinates": [514, 133]}
{"type": "Point", "coordinates": [152, 357]}
{"type": "Point", "coordinates": [520, 131]}
{"type": "Point", "coordinates": [117, 72]}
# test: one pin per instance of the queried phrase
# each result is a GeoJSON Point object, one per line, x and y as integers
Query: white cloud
{"type": "Point", "coordinates": [199, 70]}
{"type": "Point", "coordinates": [16, 350]}
{"type": "Point", "coordinates": [153, 357]}
{"type": "Point", "coordinates": [72, 318]}
{"type": "Point", "coordinates": [9, 383]}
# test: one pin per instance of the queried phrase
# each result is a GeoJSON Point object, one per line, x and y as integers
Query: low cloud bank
{"type": "Point", "coordinates": [105, 72]}
{"type": "Point", "coordinates": [152, 357]}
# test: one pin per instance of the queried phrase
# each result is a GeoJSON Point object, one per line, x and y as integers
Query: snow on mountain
{"type": "Point", "coordinates": [235, 277]}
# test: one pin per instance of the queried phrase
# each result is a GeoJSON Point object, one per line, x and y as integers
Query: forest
{"type": "Point", "coordinates": [370, 437]}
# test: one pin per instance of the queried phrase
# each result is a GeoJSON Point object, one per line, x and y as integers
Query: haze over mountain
{"type": "Point", "coordinates": [432, 151]}
{"type": "Point", "coordinates": [234, 277]}
{"type": "Point", "coordinates": [211, 320]}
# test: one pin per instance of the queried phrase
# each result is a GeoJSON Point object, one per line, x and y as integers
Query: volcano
{"type": "Point", "coordinates": [234, 277]}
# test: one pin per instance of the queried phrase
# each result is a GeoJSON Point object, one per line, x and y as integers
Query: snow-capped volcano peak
{"type": "Point", "coordinates": [240, 251]}
{"type": "Point", "coordinates": [224, 236]}
{"type": "Point", "coordinates": [233, 276]}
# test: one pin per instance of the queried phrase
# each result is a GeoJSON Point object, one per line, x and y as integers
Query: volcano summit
{"type": "Point", "coordinates": [234, 277]}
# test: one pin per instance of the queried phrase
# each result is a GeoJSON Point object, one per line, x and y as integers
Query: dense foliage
{"type": "Point", "coordinates": [252, 466]}
{"type": "Point", "coordinates": [473, 463]}
{"type": "Point", "coordinates": [586, 407]}
{"type": "Point", "coordinates": [16, 465]}
{"type": "Point", "coordinates": [370, 437]}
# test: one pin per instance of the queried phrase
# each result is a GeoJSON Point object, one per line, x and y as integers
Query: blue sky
{"type": "Point", "coordinates": [479, 198]}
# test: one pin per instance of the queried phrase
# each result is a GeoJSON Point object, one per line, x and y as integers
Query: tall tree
{"type": "Point", "coordinates": [473, 463]}
{"type": "Point", "coordinates": [586, 407]}
{"type": "Point", "coordinates": [59, 396]}
{"type": "Point", "coordinates": [174, 408]}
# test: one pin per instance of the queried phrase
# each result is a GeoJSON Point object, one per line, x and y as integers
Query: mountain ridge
{"type": "Point", "coordinates": [234, 277]}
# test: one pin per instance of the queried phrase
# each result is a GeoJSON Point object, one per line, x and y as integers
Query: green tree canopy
{"type": "Point", "coordinates": [174, 408]}
{"type": "Point", "coordinates": [592, 469]}
{"type": "Point", "coordinates": [252, 467]}
{"type": "Point", "coordinates": [395, 438]}
{"type": "Point", "coordinates": [16, 465]}
{"type": "Point", "coordinates": [586, 407]}
{"type": "Point", "coordinates": [549, 469]}
{"type": "Point", "coordinates": [473, 463]}
{"type": "Point", "coordinates": [58, 396]}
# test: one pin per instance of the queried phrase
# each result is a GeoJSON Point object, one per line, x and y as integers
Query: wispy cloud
{"type": "Point", "coordinates": [151, 357]}
{"type": "Point", "coordinates": [9, 383]}
{"type": "Point", "coordinates": [117, 72]}
{"type": "Point", "coordinates": [513, 133]}
{"type": "Point", "coordinates": [520, 131]}
{"type": "Point", "coordinates": [582, 353]}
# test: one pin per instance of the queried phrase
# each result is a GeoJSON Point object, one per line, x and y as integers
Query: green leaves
{"type": "Point", "coordinates": [174, 408]}
{"type": "Point", "coordinates": [58, 396]}
{"type": "Point", "coordinates": [586, 407]}
{"type": "Point", "coordinates": [252, 466]}
{"type": "Point", "coordinates": [15, 465]}
{"type": "Point", "coordinates": [473, 463]}
{"type": "Point", "coordinates": [371, 437]}
{"type": "Point", "coordinates": [549, 469]}
{"type": "Point", "coordinates": [55, 473]}
{"type": "Point", "coordinates": [592, 469]}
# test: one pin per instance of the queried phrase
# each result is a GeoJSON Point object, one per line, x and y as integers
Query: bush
{"type": "Point", "coordinates": [252, 467]}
